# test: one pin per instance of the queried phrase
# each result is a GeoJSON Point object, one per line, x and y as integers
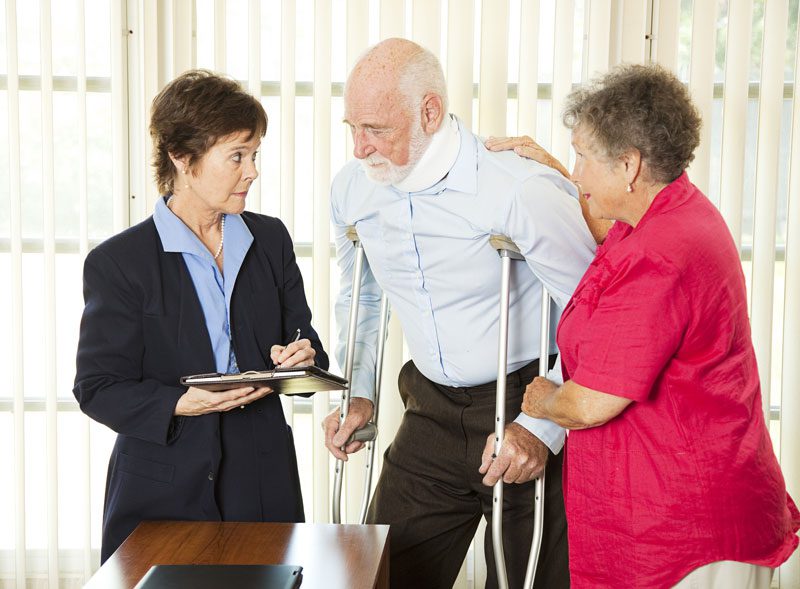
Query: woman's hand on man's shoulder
{"type": "Point", "coordinates": [528, 148]}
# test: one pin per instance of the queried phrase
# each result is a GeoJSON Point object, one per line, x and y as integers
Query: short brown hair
{"type": "Point", "coordinates": [639, 106]}
{"type": "Point", "coordinates": [192, 112]}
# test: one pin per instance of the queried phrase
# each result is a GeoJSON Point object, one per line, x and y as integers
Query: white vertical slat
{"type": "Point", "coordinates": [701, 86]}
{"type": "Point", "coordinates": [426, 24]}
{"type": "Point", "coordinates": [119, 118]}
{"type": "Point", "coordinates": [790, 399]}
{"type": "Point", "coordinates": [562, 77]}
{"type": "Point", "coordinates": [15, 214]}
{"type": "Point", "coordinates": [615, 34]}
{"type": "Point", "coordinates": [667, 14]}
{"type": "Point", "coordinates": [288, 51]}
{"type": "Point", "coordinates": [321, 249]}
{"type": "Point", "coordinates": [528, 88]}
{"type": "Point", "coordinates": [356, 42]}
{"type": "Point", "coordinates": [254, 86]}
{"type": "Point", "coordinates": [769, 119]}
{"type": "Point", "coordinates": [220, 38]}
{"type": "Point", "coordinates": [149, 80]}
{"type": "Point", "coordinates": [83, 141]}
{"type": "Point", "coordinates": [83, 248]}
{"type": "Point", "coordinates": [182, 41]}
{"type": "Point", "coordinates": [392, 18]}
{"type": "Point", "coordinates": [633, 27]}
{"type": "Point", "coordinates": [460, 41]}
{"type": "Point", "coordinates": [737, 66]}
{"type": "Point", "coordinates": [599, 46]}
{"type": "Point", "coordinates": [164, 47]}
{"type": "Point", "coordinates": [357, 30]}
{"type": "Point", "coordinates": [493, 88]}
{"type": "Point", "coordinates": [49, 311]}
{"type": "Point", "coordinates": [286, 202]}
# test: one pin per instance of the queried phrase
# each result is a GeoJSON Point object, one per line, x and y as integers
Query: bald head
{"type": "Point", "coordinates": [395, 99]}
{"type": "Point", "coordinates": [401, 67]}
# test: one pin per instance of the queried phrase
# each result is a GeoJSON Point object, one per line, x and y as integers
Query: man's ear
{"type": "Point", "coordinates": [432, 113]}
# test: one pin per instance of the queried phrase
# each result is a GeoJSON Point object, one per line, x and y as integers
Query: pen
{"type": "Point", "coordinates": [294, 339]}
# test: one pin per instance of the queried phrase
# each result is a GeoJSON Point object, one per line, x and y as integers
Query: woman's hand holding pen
{"type": "Point", "coordinates": [199, 402]}
{"type": "Point", "coordinates": [297, 353]}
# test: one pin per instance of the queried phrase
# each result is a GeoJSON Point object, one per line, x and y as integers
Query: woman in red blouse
{"type": "Point", "coordinates": [670, 475]}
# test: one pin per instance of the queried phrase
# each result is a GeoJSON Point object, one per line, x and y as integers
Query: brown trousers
{"type": "Point", "coordinates": [430, 490]}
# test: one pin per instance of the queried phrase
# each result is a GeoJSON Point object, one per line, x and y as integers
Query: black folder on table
{"type": "Point", "coordinates": [288, 381]}
{"type": "Point", "coordinates": [222, 576]}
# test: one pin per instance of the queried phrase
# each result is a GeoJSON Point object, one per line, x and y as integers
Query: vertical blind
{"type": "Point", "coordinates": [76, 81]}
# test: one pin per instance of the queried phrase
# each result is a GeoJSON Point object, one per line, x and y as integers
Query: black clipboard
{"type": "Point", "coordinates": [287, 381]}
{"type": "Point", "coordinates": [213, 576]}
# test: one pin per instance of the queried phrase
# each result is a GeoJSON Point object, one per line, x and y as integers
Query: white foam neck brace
{"type": "Point", "coordinates": [437, 160]}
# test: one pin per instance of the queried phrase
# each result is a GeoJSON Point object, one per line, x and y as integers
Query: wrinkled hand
{"type": "Point", "coordinates": [199, 402]}
{"type": "Point", "coordinates": [526, 147]}
{"type": "Point", "coordinates": [299, 353]}
{"type": "Point", "coordinates": [522, 457]}
{"type": "Point", "coordinates": [359, 413]}
{"type": "Point", "coordinates": [535, 392]}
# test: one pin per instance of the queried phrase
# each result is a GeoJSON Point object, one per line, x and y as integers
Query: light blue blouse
{"type": "Point", "coordinates": [214, 288]}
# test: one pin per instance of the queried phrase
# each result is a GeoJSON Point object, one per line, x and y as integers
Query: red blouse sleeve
{"type": "Point", "coordinates": [636, 320]}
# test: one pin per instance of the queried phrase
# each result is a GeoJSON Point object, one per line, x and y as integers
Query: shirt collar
{"type": "Point", "coordinates": [177, 237]}
{"type": "Point", "coordinates": [671, 196]}
{"type": "Point", "coordinates": [463, 176]}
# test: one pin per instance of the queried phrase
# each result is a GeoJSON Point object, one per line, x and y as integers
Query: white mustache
{"type": "Point", "coordinates": [374, 159]}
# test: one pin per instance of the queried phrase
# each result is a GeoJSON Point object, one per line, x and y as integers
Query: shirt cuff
{"type": "Point", "coordinates": [363, 385]}
{"type": "Point", "coordinates": [551, 434]}
{"type": "Point", "coordinates": [362, 395]}
{"type": "Point", "coordinates": [554, 374]}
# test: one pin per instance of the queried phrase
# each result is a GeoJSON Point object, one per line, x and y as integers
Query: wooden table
{"type": "Point", "coordinates": [345, 556]}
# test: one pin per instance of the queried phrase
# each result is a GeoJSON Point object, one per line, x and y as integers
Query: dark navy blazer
{"type": "Point", "coordinates": [142, 329]}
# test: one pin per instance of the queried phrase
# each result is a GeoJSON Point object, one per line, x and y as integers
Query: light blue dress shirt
{"type": "Point", "coordinates": [214, 288]}
{"type": "Point", "coordinates": [430, 252]}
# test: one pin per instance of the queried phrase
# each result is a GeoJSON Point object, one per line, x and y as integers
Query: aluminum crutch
{"type": "Point", "coordinates": [369, 432]}
{"type": "Point", "coordinates": [509, 251]}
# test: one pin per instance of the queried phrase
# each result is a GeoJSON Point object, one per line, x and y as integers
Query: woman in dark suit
{"type": "Point", "coordinates": [200, 286]}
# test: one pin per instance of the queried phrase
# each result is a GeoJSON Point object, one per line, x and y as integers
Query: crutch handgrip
{"type": "Point", "coordinates": [366, 434]}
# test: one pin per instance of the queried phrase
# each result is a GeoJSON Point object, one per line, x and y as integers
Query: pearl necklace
{"type": "Point", "coordinates": [221, 228]}
{"type": "Point", "coordinates": [221, 236]}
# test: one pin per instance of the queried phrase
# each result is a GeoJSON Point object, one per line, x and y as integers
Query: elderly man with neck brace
{"type": "Point", "coordinates": [425, 195]}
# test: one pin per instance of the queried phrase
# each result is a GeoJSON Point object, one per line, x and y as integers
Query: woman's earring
{"type": "Point", "coordinates": [186, 183]}
{"type": "Point", "coordinates": [628, 189]}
